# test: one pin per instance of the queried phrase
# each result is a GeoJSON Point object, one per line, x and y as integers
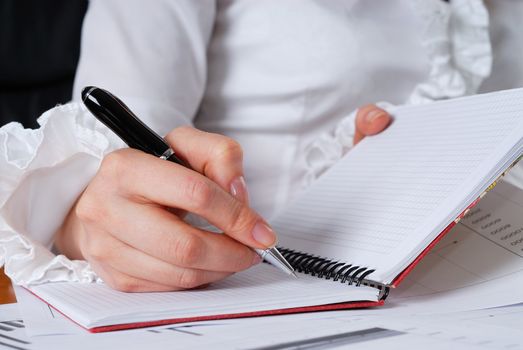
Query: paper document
{"type": "Point", "coordinates": [341, 329]}
{"type": "Point", "coordinates": [477, 265]}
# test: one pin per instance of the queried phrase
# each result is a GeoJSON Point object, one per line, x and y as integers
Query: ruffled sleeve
{"type": "Point", "coordinates": [455, 36]}
{"type": "Point", "coordinates": [151, 56]}
{"type": "Point", "coordinates": [43, 172]}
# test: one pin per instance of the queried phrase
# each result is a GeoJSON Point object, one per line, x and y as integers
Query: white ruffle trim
{"type": "Point", "coordinates": [456, 37]}
{"type": "Point", "coordinates": [43, 172]}
{"type": "Point", "coordinates": [29, 262]}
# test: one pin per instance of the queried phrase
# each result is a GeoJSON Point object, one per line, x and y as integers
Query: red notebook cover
{"type": "Point", "coordinates": [328, 307]}
{"type": "Point", "coordinates": [316, 308]}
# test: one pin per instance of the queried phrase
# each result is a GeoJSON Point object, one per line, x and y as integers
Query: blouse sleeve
{"type": "Point", "coordinates": [455, 36]}
{"type": "Point", "coordinates": [150, 54]}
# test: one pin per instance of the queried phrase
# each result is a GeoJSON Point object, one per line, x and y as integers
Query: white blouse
{"type": "Point", "coordinates": [282, 77]}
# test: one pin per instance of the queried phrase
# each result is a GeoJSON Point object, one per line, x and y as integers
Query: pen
{"type": "Point", "coordinates": [112, 112]}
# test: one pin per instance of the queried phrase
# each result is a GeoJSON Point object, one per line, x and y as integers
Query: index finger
{"type": "Point", "coordinates": [218, 157]}
{"type": "Point", "coordinates": [173, 185]}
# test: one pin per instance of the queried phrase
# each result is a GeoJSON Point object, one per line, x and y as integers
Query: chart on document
{"type": "Point", "coordinates": [486, 245]}
{"type": "Point", "coordinates": [12, 335]}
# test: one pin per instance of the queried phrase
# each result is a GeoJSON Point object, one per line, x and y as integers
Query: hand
{"type": "Point", "coordinates": [370, 120]}
{"type": "Point", "coordinates": [128, 222]}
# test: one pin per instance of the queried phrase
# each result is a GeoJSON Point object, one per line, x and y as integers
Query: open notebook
{"type": "Point", "coordinates": [355, 232]}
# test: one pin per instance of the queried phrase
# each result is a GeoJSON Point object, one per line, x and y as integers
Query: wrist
{"type": "Point", "coordinates": [68, 237]}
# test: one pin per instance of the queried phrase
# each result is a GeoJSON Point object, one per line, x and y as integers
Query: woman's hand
{"type": "Point", "coordinates": [128, 222]}
{"type": "Point", "coordinates": [370, 120]}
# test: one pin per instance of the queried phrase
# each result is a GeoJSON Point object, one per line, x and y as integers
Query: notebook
{"type": "Point", "coordinates": [353, 234]}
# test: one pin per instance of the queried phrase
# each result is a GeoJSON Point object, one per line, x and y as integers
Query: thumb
{"type": "Point", "coordinates": [370, 120]}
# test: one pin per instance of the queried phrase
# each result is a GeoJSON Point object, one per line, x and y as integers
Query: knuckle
{"type": "Point", "coordinates": [190, 279]}
{"type": "Point", "coordinates": [188, 250]}
{"type": "Point", "coordinates": [174, 133]}
{"type": "Point", "coordinates": [124, 284]}
{"type": "Point", "coordinates": [115, 164]}
{"type": "Point", "coordinates": [228, 149]}
{"type": "Point", "coordinates": [179, 133]}
{"type": "Point", "coordinates": [96, 250]}
{"type": "Point", "coordinates": [89, 209]}
{"type": "Point", "coordinates": [199, 193]}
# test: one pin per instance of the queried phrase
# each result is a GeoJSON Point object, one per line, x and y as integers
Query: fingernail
{"type": "Point", "coordinates": [374, 115]}
{"type": "Point", "coordinates": [257, 259]}
{"type": "Point", "coordinates": [239, 189]}
{"type": "Point", "coordinates": [264, 235]}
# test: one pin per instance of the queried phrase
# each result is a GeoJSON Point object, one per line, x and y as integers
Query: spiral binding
{"type": "Point", "coordinates": [331, 269]}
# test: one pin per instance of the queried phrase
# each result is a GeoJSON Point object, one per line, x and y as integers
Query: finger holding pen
{"type": "Point", "coordinates": [220, 159]}
{"type": "Point", "coordinates": [119, 118]}
{"type": "Point", "coordinates": [124, 223]}
{"type": "Point", "coordinates": [176, 186]}
{"type": "Point", "coordinates": [121, 225]}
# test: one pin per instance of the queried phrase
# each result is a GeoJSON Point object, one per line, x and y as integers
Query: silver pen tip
{"type": "Point", "coordinates": [274, 257]}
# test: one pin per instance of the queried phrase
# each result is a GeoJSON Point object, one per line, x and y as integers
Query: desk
{"type": "Point", "coordinates": [7, 294]}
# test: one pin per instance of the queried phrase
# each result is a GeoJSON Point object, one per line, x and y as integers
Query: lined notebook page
{"type": "Point", "coordinates": [262, 287]}
{"type": "Point", "coordinates": [390, 196]}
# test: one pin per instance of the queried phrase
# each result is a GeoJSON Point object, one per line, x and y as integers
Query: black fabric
{"type": "Point", "coordinates": [39, 49]}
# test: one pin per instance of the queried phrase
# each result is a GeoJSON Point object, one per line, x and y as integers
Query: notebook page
{"type": "Point", "coordinates": [390, 196]}
{"type": "Point", "coordinates": [262, 287]}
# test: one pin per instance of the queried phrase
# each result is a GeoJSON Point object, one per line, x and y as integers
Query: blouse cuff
{"type": "Point", "coordinates": [43, 173]}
